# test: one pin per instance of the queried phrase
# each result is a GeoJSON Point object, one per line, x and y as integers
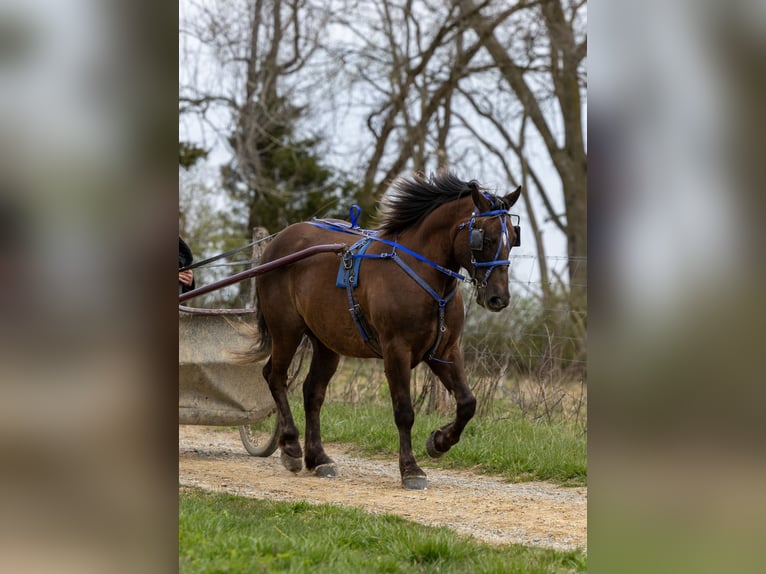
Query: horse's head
{"type": "Point", "coordinates": [486, 244]}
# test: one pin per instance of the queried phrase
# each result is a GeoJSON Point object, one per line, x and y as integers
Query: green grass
{"type": "Point", "coordinates": [224, 533]}
{"type": "Point", "coordinates": [510, 446]}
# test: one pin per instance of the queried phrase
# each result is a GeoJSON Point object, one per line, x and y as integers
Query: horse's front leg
{"type": "Point", "coordinates": [452, 376]}
{"type": "Point", "coordinates": [397, 366]}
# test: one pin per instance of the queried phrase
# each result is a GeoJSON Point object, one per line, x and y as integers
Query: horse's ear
{"type": "Point", "coordinates": [512, 197]}
{"type": "Point", "coordinates": [481, 202]}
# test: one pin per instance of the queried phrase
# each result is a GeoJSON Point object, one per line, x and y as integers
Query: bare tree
{"type": "Point", "coordinates": [547, 68]}
{"type": "Point", "coordinates": [258, 49]}
{"type": "Point", "coordinates": [247, 74]}
{"type": "Point", "coordinates": [468, 84]}
{"type": "Point", "coordinates": [455, 83]}
{"type": "Point", "coordinates": [412, 58]}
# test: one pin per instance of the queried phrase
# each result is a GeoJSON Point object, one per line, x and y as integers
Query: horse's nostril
{"type": "Point", "coordinates": [497, 303]}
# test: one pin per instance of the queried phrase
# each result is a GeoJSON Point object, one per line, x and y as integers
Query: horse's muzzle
{"type": "Point", "coordinates": [497, 303]}
{"type": "Point", "coordinates": [493, 303]}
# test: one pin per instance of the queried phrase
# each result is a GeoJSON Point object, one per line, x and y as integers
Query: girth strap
{"type": "Point", "coordinates": [368, 335]}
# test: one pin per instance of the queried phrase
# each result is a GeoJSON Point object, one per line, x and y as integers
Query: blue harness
{"type": "Point", "coordinates": [348, 271]}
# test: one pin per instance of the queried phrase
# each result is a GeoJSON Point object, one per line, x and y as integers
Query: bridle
{"type": "Point", "coordinates": [476, 240]}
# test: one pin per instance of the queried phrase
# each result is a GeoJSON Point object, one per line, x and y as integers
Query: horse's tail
{"type": "Point", "coordinates": [260, 347]}
{"type": "Point", "coordinates": [263, 344]}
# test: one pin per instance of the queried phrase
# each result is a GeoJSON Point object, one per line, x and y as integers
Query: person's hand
{"type": "Point", "coordinates": [186, 277]}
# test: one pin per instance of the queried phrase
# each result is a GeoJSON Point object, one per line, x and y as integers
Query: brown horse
{"type": "Point", "coordinates": [405, 309]}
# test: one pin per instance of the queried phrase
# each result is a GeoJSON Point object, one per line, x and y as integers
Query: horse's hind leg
{"type": "Point", "coordinates": [324, 363]}
{"type": "Point", "coordinates": [275, 372]}
{"type": "Point", "coordinates": [452, 376]}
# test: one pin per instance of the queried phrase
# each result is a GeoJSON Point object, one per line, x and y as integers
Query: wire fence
{"type": "Point", "coordinates": [544, 324]}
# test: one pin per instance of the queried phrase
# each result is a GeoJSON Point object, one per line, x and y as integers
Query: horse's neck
{"type": "Point", "coordinates": [435, 237]}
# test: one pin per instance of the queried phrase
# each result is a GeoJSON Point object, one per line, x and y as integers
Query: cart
{"type": "Point", "coordinates": [214, 387]}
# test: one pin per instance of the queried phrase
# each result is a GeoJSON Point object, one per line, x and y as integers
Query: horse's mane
{"type": "Point", "coordinates": [408, 201]}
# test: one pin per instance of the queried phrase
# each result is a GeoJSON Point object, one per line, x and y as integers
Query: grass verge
{"type": "Point", "coordinates": [224, 533]}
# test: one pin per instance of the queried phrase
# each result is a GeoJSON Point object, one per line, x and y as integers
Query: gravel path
{"type": "Point", "coordinates": [492, 511]}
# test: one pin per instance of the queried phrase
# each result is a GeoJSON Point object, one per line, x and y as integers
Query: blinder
{"type": "Point", "coordinates": [476, 239]}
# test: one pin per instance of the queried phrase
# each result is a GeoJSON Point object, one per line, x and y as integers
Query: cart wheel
{"type": "Point", "coordinates": [252, 440]}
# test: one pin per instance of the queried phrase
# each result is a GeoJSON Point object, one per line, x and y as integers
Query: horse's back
{"type": "Point", "coordinates": [295, 238]}
{"type": "Point", "coordinates": [305, 292]}
{"type": "Point", "coordinates": [299, 236]}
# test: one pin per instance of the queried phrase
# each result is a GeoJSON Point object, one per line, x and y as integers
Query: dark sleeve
{"type": "Point", "coordinates": [185, 258]}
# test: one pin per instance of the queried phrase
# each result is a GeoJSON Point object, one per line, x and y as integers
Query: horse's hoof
{"type": "Point", "coordinates": [431, 447]}
{"type": "Point", "coordinates": [291, 463]}
{"type": "Point", "coordinates": [326, 470]}
{"type": "Point", "coordinates": [415, 483]}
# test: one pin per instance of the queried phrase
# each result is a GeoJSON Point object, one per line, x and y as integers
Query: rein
{"type": "Point", "coordinates": [224, 254]}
